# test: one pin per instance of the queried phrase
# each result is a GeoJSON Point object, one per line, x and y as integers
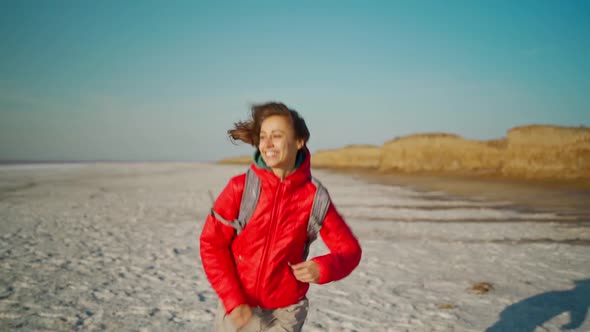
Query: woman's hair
{"type": "Point", "coordinates": [249, 131]}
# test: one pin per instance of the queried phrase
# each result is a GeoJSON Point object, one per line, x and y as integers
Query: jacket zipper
{"type": "Point", "coordinates": [269, 236]}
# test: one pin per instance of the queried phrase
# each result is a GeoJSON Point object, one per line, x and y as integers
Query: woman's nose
{"type": "Point", "coordinates": [266, 142]}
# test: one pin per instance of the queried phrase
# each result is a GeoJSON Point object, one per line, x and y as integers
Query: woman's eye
{"type": "Point", "coordinates": [276, 136]}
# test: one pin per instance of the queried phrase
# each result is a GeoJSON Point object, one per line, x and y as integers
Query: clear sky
{"type": "Point", "coordinates": [164, 80]}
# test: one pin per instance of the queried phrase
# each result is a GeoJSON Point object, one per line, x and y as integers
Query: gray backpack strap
{"type": "Point", "coordinates": [247, 205]}
{"type": "Point", "coordinates": [223, 221]}
{"type": "Point", "coordinates": [321, 202]}
{"type": "Point", "coordinates": [250, 197]}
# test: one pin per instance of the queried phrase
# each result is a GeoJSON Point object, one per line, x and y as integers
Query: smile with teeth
{"type": "Point", "coordinates": [270, 154]}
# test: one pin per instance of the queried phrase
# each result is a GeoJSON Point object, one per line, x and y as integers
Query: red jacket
{"type": "Point", "coordinates": [253, 267]}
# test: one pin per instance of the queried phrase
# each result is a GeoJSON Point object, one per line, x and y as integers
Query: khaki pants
{"type": "Point", "coordinates": [287, 319]}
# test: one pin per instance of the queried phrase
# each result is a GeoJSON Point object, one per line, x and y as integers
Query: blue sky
{"type": "Point", "coordinates": [157, 80]}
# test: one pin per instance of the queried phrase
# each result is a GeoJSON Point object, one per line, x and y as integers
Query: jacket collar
{"type": "Point", "coordinates": [301, 174]}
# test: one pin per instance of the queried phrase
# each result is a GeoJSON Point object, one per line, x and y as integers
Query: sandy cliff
{"type": "Point", "coordinates": [439, 153]}
{"type": "Point", "coordinates": [527, 152]}
{"type": "Point", "coordinates": [352, 156]}
{"type": "Point", "coordinates": [548, 152]}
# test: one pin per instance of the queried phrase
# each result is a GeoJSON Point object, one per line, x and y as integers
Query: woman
{"type": "Point", "coordinates": [260, 274]}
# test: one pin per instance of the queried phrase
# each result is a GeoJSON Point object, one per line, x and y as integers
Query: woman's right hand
{"type": "Point", "coordinates": [241, 315]}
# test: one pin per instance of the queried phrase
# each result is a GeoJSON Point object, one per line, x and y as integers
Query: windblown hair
{"type": "Point", "coordinates": [249, 131]}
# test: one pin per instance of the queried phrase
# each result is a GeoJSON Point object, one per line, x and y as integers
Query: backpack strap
{"type": "Point", "coordinates": [250, 197]}
{"type": "Point", "coordinates": [247, 205]}
{"type": "Point", "coordinates": [321, 202]}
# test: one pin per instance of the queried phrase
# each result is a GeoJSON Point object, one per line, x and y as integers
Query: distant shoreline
{"type": "Point", "coordinates": [566, 197]}
{"type": "Point", "coordinates": [483, 178]}
{"type": "Point", "coordinates": [53, 162]}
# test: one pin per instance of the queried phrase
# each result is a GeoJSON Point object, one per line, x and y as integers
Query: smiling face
{"type": "Point", "coordinates": [278, 144]}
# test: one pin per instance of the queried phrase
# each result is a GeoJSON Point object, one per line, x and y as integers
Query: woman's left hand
{"type": "Point", "coordinates": [307, 271]}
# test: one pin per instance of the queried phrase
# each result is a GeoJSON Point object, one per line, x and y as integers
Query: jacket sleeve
{"type": "Point", "coordinates": [345, 250]}
{"type": "Point", "coordinates": [216, 257]}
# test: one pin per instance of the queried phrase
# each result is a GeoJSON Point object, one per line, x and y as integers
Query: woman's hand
{"type": "Point", "coordinates": [307, 271]}
{"type": "Point", "coordinates": [241, 315]}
